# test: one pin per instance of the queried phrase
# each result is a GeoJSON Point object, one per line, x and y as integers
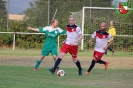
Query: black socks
{"type": "Point", "coordinates": [78, 65]}
{"type": "Point", "coordinates": [56, 64]}
{"type": "Point", "coordinates": [101, 62]}
{"type": "Point", "coordinates": [92, 65]}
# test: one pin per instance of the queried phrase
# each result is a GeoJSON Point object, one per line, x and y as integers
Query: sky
{"type": "Point", "coordinates": [19, 6]}
{"type": "Point", "coordinates": [119, 1]}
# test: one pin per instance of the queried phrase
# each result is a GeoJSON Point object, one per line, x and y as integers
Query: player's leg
{"type": "Point", "coordinates": [73, 50]}
{"type": "Point", "coordinates": [54, 54]}
{"type": "Point", "coordinates": [44, 53]}
{"type": "Point", "coordinates": [55, 59]}
{"type": "Point", "coordinates": [57, 62]}
{"type": "Point", "coordinates": [38, 62]}
{"type": "Point", "coordinates": [105, 52]}
{"type": "Point", "coordinates": [111, 49]}
{"type": "Point", "coordinates": [98, 60]}
{"type": "Point", "coordinates": [95, 55]}
{"type": "Point", "coordinates": [91, 66]}
{"type": "Point", "coordinates": [103, 62]}
{"type": "Point", "coordinates": [63, 51]}
{"type": "Point", "coordinates": [77, 62]}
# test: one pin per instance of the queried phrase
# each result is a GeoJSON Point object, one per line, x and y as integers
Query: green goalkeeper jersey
{"type": "Point", "coordinates": [51, 36]}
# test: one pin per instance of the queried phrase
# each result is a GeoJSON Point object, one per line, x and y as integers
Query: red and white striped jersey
{"type": "Point", "coordinates": [101, 40]}
{"type": "Point", "coordinates": [73, 32]}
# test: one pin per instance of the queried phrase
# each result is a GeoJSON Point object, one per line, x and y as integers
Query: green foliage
{"type": "Point", "coordinates": [37, 16]}
{"type": "Point", "coordinates": [3, 15]}
{"type": "Point", "coordinates": [22, 40]}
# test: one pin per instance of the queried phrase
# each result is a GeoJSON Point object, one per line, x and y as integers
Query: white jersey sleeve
{"type": "Point", "coordinates": [79, 30]}
{"type": "Point", "coordinates": [110, 37]}
{"type": "Point", "coordinates": [93, 35]}
{"type": "Point", "coordinates": [60, 30]}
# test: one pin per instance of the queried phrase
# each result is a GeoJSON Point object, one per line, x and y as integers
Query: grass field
{"type": "Point", "coordinates": [16, 71]}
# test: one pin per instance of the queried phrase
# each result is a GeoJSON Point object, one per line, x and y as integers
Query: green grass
{"type": "Point", "coordinates": [24, 77]}
{"type": "Point", "coordinates": [12, 75]}
{"type": "Point", "coordinates": [37, 52]}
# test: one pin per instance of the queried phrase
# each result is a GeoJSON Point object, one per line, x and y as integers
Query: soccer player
{"type": "Point", "coordinates": [50, 46]}
{"type": "Point", "coordinates": [74, 35]}
{"type": "Point", "coordinates": [112, 31]}
{"type": "Point", "coordinates": [102, 44]}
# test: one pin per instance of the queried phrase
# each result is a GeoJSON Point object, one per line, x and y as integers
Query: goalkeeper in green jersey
{"type": "Point", "coordinates": [50, 46]}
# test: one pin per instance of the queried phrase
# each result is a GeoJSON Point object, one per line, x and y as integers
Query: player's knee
{"type": "Point", "coordinates": [54, 57]}
{"type": "Point", "coordinates": [42, 58]}
{"type": "Point", "coordinates": [74, 60]}
{"type": "Point", "coordinates": [61, 55]}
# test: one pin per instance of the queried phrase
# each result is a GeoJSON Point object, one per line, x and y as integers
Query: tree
{"type": "Point", "coordinates": [37, 13]}
{"type": "Point", "coordinates": [3, 15]}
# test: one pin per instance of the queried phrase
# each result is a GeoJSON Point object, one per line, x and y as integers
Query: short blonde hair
{"type": "Point", "coordinates": [71, 16]}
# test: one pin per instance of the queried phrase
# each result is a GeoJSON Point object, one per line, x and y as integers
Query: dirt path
{"type": "Point", "coordinates": [115, 62]}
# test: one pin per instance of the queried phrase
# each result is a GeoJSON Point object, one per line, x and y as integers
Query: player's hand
{"type": "Point", "coordinates": [63, 42]}
{"type": "Point", "coordinates": [105, 48]}
{"type": "Point", "coordinates": [72, 43]}
{"type": "Point", "coordinates": [29, 28]}
{"type": "Point", "coordinates": [90, 41]}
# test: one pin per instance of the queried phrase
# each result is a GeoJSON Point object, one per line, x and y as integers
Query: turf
{"type": "Point", "coordinates": [16, 71]}
{"type": "Point", "coordinates": [25, 77]}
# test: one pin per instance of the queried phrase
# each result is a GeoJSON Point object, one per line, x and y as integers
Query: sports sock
{"type": "Point", "coordinates": [92, 65]}
{"type": "Point", "coordinates": [78, 65]}
{"type": "Point", "coordinates": [101, 62]}
{"type": "Point", "coordinates": [56, 64]}
{"type": "Point", "coordinates": [37, 63]}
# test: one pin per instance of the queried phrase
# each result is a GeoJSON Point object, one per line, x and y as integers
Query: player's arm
{"type": "Point", "coordinates": [92, 37]}
{"type": "Point", "coordinates": [91, 40]}
{"type": "Point", "coordinates": [33, 29]}
{"type": "Point", "coordinates": [76, 41]}
{"type": "Point", "coordinates": [64, 41]}
{"type": "Point", "coordinates": [63, 32]}
{"type": "Point", "coordinates": [80, 38]}
{"type": "Point", "coordinates": [111, 41]}
{"type": "Point", "coordinates": [108, 44]}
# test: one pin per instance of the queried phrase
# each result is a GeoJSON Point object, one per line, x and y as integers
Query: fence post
{"type": "Point", "coordinates": [82, 41]}
{"type": "Point", "coordinates": [14, 41]}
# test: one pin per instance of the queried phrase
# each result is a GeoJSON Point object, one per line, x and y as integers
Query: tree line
{"type": "Point", "coordinates": [36, 16]}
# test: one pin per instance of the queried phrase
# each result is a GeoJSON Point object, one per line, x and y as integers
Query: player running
{"type": "Point", "coordinates": [50, 46]}
{"type": "Point", "coordinates": [101, 46]}
{"type": "Point", "coordinates": [74, 35]}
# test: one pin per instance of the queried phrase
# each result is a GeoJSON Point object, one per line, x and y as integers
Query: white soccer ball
{"type": "Point", "coordinates": [60, 73]}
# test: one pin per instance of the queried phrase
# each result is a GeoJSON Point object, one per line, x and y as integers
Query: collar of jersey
{"type": "Point", "coordinates": [51, 29]}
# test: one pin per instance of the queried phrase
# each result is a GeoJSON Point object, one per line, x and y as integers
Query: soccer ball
{"type": "Point", "coordinates": [60, 73]}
